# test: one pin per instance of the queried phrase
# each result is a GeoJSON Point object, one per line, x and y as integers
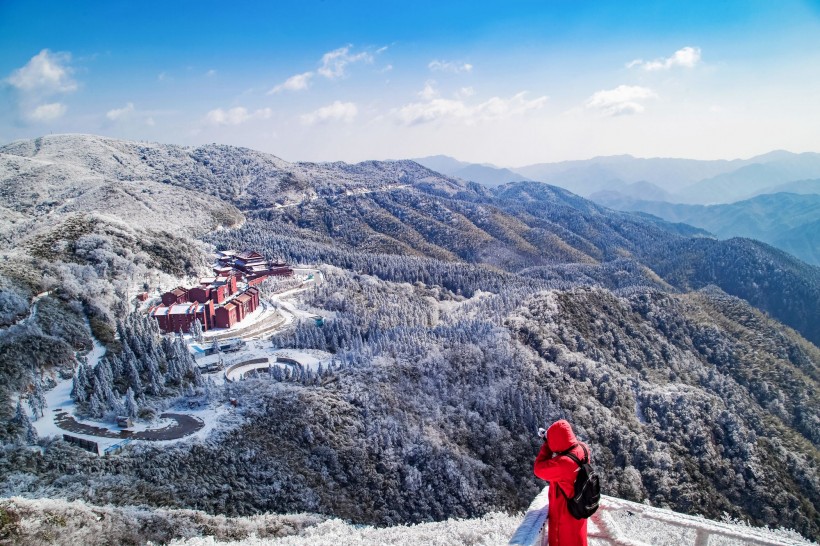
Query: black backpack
{"type": "Point", "coordinates": [587, 487]}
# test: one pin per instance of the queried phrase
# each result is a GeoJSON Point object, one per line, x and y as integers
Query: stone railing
{"type": "Point", "coordinates": [624, 523]}
{"type": "Point", "coordinates": [533, 529]}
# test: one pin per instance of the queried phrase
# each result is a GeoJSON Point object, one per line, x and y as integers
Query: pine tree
{"type": "Point", "coordinates": [131, 406]}
{"type": "Point", "coordinates": [81, 385]}
{"type": "Point", "coordinates": [133, 378]}
{"type": "Point", "coordinates": [96, 406]}
{"type": "Point", "coordinates": [196, 331]}
{"type": "Point", "coordinates": [26, 431]}
{"type": "Point", "coordinates": [37, 400]}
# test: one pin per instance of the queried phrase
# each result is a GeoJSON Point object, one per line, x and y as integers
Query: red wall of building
{"type": "Point", "coordinates": [177, 295]}
{"type": "Point", "coordinates": [200, 294]}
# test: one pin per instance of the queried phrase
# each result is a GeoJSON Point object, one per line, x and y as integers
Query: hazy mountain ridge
{"type": "Point", "coordinates": [488, 175]}
{"type": "Point", "coordinates": [46, 180]}
{"type": "Point", "coordinates": [659, 179]}
{"type": "Point", "coordinates": [787, 221]}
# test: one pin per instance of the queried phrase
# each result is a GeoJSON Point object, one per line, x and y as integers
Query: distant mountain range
{"type": "Point", "coordinates": [658, 179]}
{"type": "Point", "coordinates": [756, 198]}
{"type": "Point", "coordinates": [486, 174]}
{"type": "Point", "coordinates": [787, 221]}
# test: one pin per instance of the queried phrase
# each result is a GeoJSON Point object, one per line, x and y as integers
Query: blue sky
{"type": "Point", "coordinates": [509, 83]}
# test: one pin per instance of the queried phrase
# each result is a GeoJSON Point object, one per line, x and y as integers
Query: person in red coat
{"type": "Point", "coordinates": [560, 472]}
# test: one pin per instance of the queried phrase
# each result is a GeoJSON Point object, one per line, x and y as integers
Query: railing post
{"type": "Point", "coordinates": [533, 529]}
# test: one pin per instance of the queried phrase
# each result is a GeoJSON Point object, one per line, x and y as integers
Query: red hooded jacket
{"type": "Point", "coordinates": [564, 530]}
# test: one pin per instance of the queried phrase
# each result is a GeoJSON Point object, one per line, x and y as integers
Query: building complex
{"type": "Point", "coordinates": [220, 301]}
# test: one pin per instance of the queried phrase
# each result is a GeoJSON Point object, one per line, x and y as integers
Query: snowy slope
{"type": "Point", "coordinates": [617, 523]}
{"type": "Point", "coordinates": [242, 176]}
{"type": "Point", "coordinates": [42, 185]}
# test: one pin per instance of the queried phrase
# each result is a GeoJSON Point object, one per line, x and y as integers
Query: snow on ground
{"type": "Point", "coordinates": [494, 528]}
{"type": "Point", "coordinates": [451, 305]}
{"type": "Point", "coordinates": [59, 398]}
{"type": "Point", "coordinates": [211, 415]}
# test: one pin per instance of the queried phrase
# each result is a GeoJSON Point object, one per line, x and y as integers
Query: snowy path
{"type": "Point", "coordinates": [59, 402]}
{"type": "Point", "coordinates": [32, 309]}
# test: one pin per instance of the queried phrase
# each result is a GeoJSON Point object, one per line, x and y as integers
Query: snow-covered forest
{"type": "Point", "coordinates": [460, 319]}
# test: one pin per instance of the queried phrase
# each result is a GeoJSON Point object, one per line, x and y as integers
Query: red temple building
{"type": "Point", "coordinates": [180, 317]}
{"type": "Point", "coordinates": [177, 295]}
{"type": "Point", "coordinates": [218, 302]}
{"type": "Point", "coordinates": [252, 266]}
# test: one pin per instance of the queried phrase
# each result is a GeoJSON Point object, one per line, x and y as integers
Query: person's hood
{"type": "Point", "coordinates": [560, 436]}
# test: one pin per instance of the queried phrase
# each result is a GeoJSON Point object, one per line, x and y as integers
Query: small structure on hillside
{"type": "Point", "coordinates": [123, 421]}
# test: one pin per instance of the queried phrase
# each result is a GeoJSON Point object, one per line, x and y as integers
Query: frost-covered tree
{"type": "Point", "coordinates": [196, 330]}
{"type": "Point", "coordinates": [131, 407]}
{"type": "Point", "coordinates": [25, 430]}
{"type": "Point", "coordinates": [37, 399]}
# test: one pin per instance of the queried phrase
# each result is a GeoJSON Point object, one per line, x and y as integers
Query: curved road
{"type": "Point", "coordinates": [184, 425]}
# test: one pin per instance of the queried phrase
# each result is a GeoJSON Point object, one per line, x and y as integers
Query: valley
{"type": "Point", "coordinates": [457, 319]}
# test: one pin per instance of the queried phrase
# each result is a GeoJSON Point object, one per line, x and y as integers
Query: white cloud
{"type": "Point", "coordinates": [449, 66]}
{"type": "Point", "coordinates": [429, 92]}
{"type": "Point", "coordinates": [235, 116]}
{"type": "Point", "coordinates": [120, 113]}
{"type": "Point", "coordinates": [686, 57]}
{"type": "Point", "coordinates": [493, 109]}
{"type": "Point", "coordinates": [149, 121]}
{"type": "Point", "coordinates": [211, 73]}
{"type": "Point", "coordinates": [623, 100]}
{"type": "Point", "coordinates": [45, 73]}
{"type": "Point", "coordinates": [335, 62]}
{"type": "Point", "coordinates": [299, 82]}
{"type": "Point", "coordinates": [465, 92]}
{"type": "Point", "coordinates": [333, 65]}
{"type": "Point", "coordinates": [48, 112]}
{"type": "Point", "coordinates": [338, 111]}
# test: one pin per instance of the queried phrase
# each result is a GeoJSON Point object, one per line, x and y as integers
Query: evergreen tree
{"type": "Point", "coordinates": [81, 385]}
{"type": "Point", "coordinates": [37, 400]}
{"type": "Point", "coordinates": [96, 405]}
{"type": "Point", "coordinates": [131, 406]}
{"type": "Point", "coordinates": [133, 378]}
{"type": "Point", "coordinates": [196, 331]}
{"type": "Point", "coordinates": [26, 432]}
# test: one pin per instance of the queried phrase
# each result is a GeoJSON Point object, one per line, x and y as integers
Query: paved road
{"type": "Point", "coordinates": [184, 425]}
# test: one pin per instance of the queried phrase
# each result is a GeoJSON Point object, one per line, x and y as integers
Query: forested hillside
{"type": "Point", "coordinates": [460, 319]}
